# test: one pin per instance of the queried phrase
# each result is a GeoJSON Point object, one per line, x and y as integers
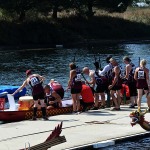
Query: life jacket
{"type": "Point", "coordinates": [86, 93]}
{"type": "Point", "coordinates": [57, 87]}
{"type": "Point", "coordinates": [125, 90]}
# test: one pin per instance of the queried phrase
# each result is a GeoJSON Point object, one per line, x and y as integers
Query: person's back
{"type": "Point", "coordinates": [57, 87]}
{"type": "Point", "coordinates": [87, 95]}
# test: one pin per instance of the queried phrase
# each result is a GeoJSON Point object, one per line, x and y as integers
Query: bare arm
{"type": "Point", "coordinates": [72, 74]}
{"type": "Point", "coordinates": [92, 78]}
{"type": "Point", "coordinates": [57, 97]}
{"type": "Point", "coordinates": [128, 69]}
{"type": "Point", "coordinates": [135, 74]}
{"type": "Point", "coordinates": [21, 87]}
{"type": "Point", "coordinates": [147, 76]}
{"type": "Point", "coordinates": [117, 71]}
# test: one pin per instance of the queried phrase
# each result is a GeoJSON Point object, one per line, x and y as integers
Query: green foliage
{"type": "Point", "coordinates": [114, 5]}
{"type": "Point", "coordinates": [18, 9]}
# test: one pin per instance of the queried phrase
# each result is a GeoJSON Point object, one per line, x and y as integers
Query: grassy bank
{"type": "Point", "coordinates": [69, 29]}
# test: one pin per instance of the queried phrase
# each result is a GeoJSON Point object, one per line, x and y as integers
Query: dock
{"type": "Point", "coordinates": [89, 130]}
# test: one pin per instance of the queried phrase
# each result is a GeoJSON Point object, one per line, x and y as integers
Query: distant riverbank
{"type": "Point", "coordinates": [70, 31]}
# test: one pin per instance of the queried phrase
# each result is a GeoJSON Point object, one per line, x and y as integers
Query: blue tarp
{"type": "Point", "coordinates": [11, 89]}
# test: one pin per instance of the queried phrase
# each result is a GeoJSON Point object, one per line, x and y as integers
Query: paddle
{"type": "Point", "coordinates": [139, 61]}
{"type": "Point", "coordinates": [100, 66]}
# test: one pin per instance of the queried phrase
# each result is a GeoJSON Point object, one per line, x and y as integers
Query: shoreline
{"type": "Point", "coordinates": [85, 43]}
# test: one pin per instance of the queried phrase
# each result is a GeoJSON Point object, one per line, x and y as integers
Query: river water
{"type": "Point", "coordinates": [53, 63]}
{"type": "Point", "coordinates": [142, 144]}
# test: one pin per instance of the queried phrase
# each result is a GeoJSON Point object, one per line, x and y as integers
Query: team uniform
{"type": "Point", "coordinates": [131, 81]}
{"type": "Point", "coordinates": [118, 84]}
{"type": "Point", "coordinates": [101, 82]}
{"type": "Point", "coordinates": [76, 85]}
{"type": "Point", "coordinates": [37, 88]}
{"type": "Point", "coordinates": [141, 79]}
{"type": "Point", "coordinates": [49, 98]}
{"type": "Point", "coordinates": [107, 72]}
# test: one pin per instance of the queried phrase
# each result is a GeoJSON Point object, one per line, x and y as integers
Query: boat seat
{"type": "Point", "coordinates": [12, 104]}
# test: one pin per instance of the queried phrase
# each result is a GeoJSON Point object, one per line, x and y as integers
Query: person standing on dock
{"type": "Point", "coordinates": [141, 75]}
{"type": "Point", "coordinates": [107, 70]}
{"type": "Point", "coordinates": [91, 83]}
{"type": "Point", "coordinates": [75, 85]}
{"type": "Point", "coordinates": [116, 84]}
{"type": "Point", "coordinates": [35, 81]}
{"type": "Point", "coordinates": [131, 82]}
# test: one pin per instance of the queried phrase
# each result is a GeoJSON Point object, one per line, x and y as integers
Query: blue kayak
{"type": "Point", "coordinates": [11, 89]}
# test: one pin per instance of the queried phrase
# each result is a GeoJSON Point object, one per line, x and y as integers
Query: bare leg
{"type": "Point", "coordinates": [96, 99]}
{"type": "Point", "coordinates": [132, 99]}
{"type": "Point", "coordinates": [78, 101]}
{"type": "Point", "coordinates": [114, 98]}
{"type": "Point", "coordinates": [74, 101]}
{"type": "Point", "coordinates": [147, 97]}
{"type": "Point", "coordinates": [103, 98]}
{"type": "Point", "coordinates": [118, 98]}
{"type": "Point", "coordinates": [140, 93]}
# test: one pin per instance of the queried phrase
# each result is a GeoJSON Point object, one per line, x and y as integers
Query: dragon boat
{"type": "Point", "coordinates": [139, 118]}
{"type": "Point", "coordinates": [22, 110]}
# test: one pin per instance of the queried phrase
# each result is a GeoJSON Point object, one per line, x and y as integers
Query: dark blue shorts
{"type": "Point", "coordinates": [39, 96]}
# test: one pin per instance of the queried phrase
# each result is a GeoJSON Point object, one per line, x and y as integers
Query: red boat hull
{"type": "Point", "coordinates": [12, 116]}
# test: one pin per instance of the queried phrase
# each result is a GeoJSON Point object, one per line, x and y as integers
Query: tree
{"type": "Point", "coordinates": [20, 7]}
{"type": "Point", "coordinates": [114, 5]}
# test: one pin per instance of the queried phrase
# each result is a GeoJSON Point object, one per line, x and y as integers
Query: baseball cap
{"type": "Point", "coordinates": [28, 72]}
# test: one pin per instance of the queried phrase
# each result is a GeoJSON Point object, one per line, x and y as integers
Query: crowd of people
{"type": "Point", "coordinates": [110, 79]}
{"type": "Point", "coordinates": [88, 92]}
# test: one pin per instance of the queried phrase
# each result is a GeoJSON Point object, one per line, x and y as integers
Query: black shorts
{"type": "Point", "coordinates": [144, 88]}
{"type": "Point", "coordinates": [101, 89]}
{"type": "Point", "coordinates": [39, 96]}
{"type": "Point", "coordinates": [132, 89]}
{"type": "Point", "coordinates": [75, 91]}
{"type": "Point", "coordinates": [116, 88]}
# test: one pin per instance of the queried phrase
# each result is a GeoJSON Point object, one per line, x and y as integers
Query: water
{"type": "Point", "coordinates": [53, 63]}
{"type": "Point", "coordinates": [142, 144]}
